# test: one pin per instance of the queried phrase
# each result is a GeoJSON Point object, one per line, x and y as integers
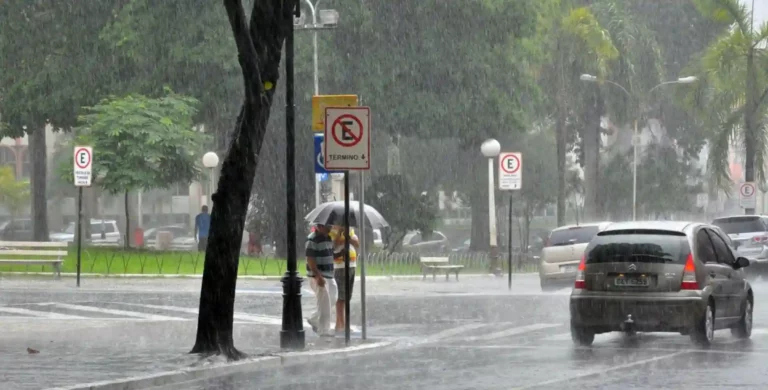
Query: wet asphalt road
{"type": "Point", "coordinates": [473, 334]}
{"type": "Point", "coordinates": [519, 340]}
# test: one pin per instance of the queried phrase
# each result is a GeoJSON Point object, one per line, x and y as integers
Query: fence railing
{"type": "Point", "coordinates": [110, 261]}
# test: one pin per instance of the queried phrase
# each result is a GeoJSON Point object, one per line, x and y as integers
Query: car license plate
{"type": "Point", "coordinates": [631, 281]}
{"type": "Point", "coordinates": [569, 268]}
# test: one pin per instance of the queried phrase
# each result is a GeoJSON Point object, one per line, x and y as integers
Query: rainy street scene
{"type": "Point", "coordinates": [383, 194]}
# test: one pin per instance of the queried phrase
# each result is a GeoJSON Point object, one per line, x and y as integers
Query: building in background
{"type": "Point", "coordinates": [178, 205]}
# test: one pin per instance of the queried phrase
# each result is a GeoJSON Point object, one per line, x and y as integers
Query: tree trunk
{"type": "Point", "coordinates": [591, 144]}
{"type": "Point", "coordinates": [561, 144]}
{"type": "Point", "coordinates": [38, 179]}
{"type": "Point", "coordinates": [478, 199]}
{"type": "Point", "coordinates": [127, 242]}
{"type": "Point", "coordinates": [259, 46]}
{"type": "Point", "coordinates": [750, 128]}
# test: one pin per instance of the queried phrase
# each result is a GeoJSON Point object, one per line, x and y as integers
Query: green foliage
{"type": "Point", "coordinates": [403, 208]}
{"type": "Point", "coordinates": [730, 99]}
{"type": "Point", "coordinates": [14, 195]}
{"type": "Point", "coordinates": [539, 173]}
{"type": "Point", "coordinates": [667, 182]}
{"type": "Point", "coordinates": [141, 142]}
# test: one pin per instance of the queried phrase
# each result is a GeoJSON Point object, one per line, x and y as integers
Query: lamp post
{"type": "Point", "coordinates": [211, 161]}
{"type": "Point", "coordinates": [635, 140]}
{"type": "Point", "coordinates": [292, 329]}
{"type": "Point", "coordinates": [328, 19]}
{"type": "Point", "coordinates": [490, 149]}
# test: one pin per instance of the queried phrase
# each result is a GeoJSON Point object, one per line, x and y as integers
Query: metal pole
{"type": "Point", "coordinates": [361, 256]}
{"type": "Point", "coordinates": [211, 190]}
{"type": "Point", "coordinates": [292, 332]}
{"type": "Point", "coordinates": [509, 243]}
{"type": "Point", "coordinates": [317, 85]}
{"type": "Point", "coordinates": [634, 174]}
{"type": "Point", "coordinates": [79, 230]}
{"type": "Point", "coordinates": [492, 219]}
{"type": "Point", "coordinates": [346, 258]}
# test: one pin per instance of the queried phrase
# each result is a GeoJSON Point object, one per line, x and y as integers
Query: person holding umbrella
{"type": "Point", "coordinates": [337, 235]}
{"type": "Point", "coordinates": [319, 252]}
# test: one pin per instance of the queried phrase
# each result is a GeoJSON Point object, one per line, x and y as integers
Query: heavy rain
{"type": "Point", "coordinates": [517, 194]}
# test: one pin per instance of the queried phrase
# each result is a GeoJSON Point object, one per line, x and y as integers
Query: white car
{"type": "Point", "coordinates": [103, 231]}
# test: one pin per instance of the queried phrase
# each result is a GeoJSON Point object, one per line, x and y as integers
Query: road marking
{"type": "Point", "coordinates": [37, 314]}
{"type": "Point", "coordinates": [558, 337]}
{"type": "Point", "coordinates": [450, 332]}
{"type": "Point", "coordinates": [153, 317]}
{"type": "Point", "coordinates": [512, 332]}
{"type": "Point", "coordinates": [252, 318]}
{"type": "Point", "coordinates": [602, 371]}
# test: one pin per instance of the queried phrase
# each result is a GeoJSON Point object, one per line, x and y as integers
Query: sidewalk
{"type": "Point", "coordinates": [73, 354]}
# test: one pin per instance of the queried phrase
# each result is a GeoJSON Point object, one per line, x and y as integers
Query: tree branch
{"type": "Point", "coordinates": [246, 52]}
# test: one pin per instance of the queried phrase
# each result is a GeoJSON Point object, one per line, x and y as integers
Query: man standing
{"type": "Point", "coordinates": [202, 227]}
{"type": "Point", "coordinates": [319, 252]}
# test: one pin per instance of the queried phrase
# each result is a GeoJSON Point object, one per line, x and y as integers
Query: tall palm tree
{"type": "Point", "coordinates": [575, 42]}
{"type": "Point", "coordinates": [638, 67]}
{"type": "Point", "coordinates": [731, 96]}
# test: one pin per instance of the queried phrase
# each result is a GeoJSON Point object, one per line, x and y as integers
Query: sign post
{"type": "Point", "coordinates": [510, 179]}
{"type": "Point", "coordinates": [347, 147]}
{"type": "Point", "coordinates": [747, 198]}
{"type": "Point", "coordinates": [83, 172]}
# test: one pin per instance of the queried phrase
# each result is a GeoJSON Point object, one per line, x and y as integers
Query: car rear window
{"type": "Point", "coordinates": [571, 236]}
{"type": "Point", "coordinates": [638, 247]}
{"type": "Point", "coordinates": [738, 225]}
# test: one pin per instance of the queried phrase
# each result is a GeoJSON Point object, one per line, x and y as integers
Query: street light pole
{"type": "Point", "coordinates": [292, 331]}
{"type": "Point", "coordinates": [211, 161]}
{"type": "Point", "coordinates": [316, 80]}
{"type": "Point", "coordinates": [635, 140]}
{"type": "Point", "coordinates": [490, 149]}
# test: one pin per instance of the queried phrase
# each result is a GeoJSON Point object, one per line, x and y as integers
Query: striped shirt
{"type": "Point", "coordinates": [320, 247]}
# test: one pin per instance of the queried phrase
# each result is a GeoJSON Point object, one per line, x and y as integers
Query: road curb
{"type": "Point", "coordinates": [241, 277]}
{"type": "Point", "coordinates": [200, 373]}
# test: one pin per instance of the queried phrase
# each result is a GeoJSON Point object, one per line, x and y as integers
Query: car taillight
{"type": "Point", "coordinates": [580, 282]}
{"type": "Point", "coordinates": [760, 239]}
{"type": "Point", "coordinates": [689, 275]}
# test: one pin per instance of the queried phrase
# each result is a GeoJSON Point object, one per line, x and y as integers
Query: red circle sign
{"type": "Point", "coordinates": [346, 136]}
{"type": "Point", "coordinates": [512, 166]}
{"type": "Point", "coordinates": [82, 158]}
{"type": "Point", "coordinates": [747, 190]}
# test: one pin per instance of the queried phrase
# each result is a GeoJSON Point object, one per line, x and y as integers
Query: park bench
{"type": "Point", "coordinates": [34, 253]}
{"type": "Point", "coordinates": [437, 265]}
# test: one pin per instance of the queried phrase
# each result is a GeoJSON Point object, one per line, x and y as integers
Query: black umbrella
{"type": "Point", "coordinates": [332, 213]}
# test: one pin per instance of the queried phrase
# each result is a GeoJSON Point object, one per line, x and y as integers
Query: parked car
{"type": "Point", "coordinates": [436, 242]}
{"type": "Point", "coordinates": [562, 252]}
{"type": "Point", "coordinates": [660, 277]}
{"type": "Point", "coordinates": [749, 236]}
{"type": "Point", "coordinates": [19, 229]}
{"type": "Point", "coordinates": [181, 237]}
{"type": "Point", "coordinates": [103, 231]}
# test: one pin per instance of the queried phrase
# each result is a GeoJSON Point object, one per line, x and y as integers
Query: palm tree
{"type": "Point", "coordinates": [731, 97]}
{"type": "Point", "coordinates": [638, 66]}
{"type": "Point", "coordinates": [574, 42]}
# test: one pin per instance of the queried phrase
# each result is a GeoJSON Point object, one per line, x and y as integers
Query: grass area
{"type": "Point", "coordinates": [109, 261]}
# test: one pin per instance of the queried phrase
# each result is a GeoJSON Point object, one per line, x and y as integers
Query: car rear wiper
{"type": "Point", "coordinates": [666, 259]}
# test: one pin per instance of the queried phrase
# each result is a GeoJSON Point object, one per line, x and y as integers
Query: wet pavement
{"type": "Point", "coordinates": [471, 334]}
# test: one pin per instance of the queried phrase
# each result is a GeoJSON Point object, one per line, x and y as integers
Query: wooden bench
{"type": "Point", "coordinates": [439, 264]}
{"type": "Point", "coordinates": [34, 253]}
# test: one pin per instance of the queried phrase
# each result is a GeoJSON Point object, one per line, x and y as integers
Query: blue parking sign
{"type": "Point", "coordinates": [319, 168]}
